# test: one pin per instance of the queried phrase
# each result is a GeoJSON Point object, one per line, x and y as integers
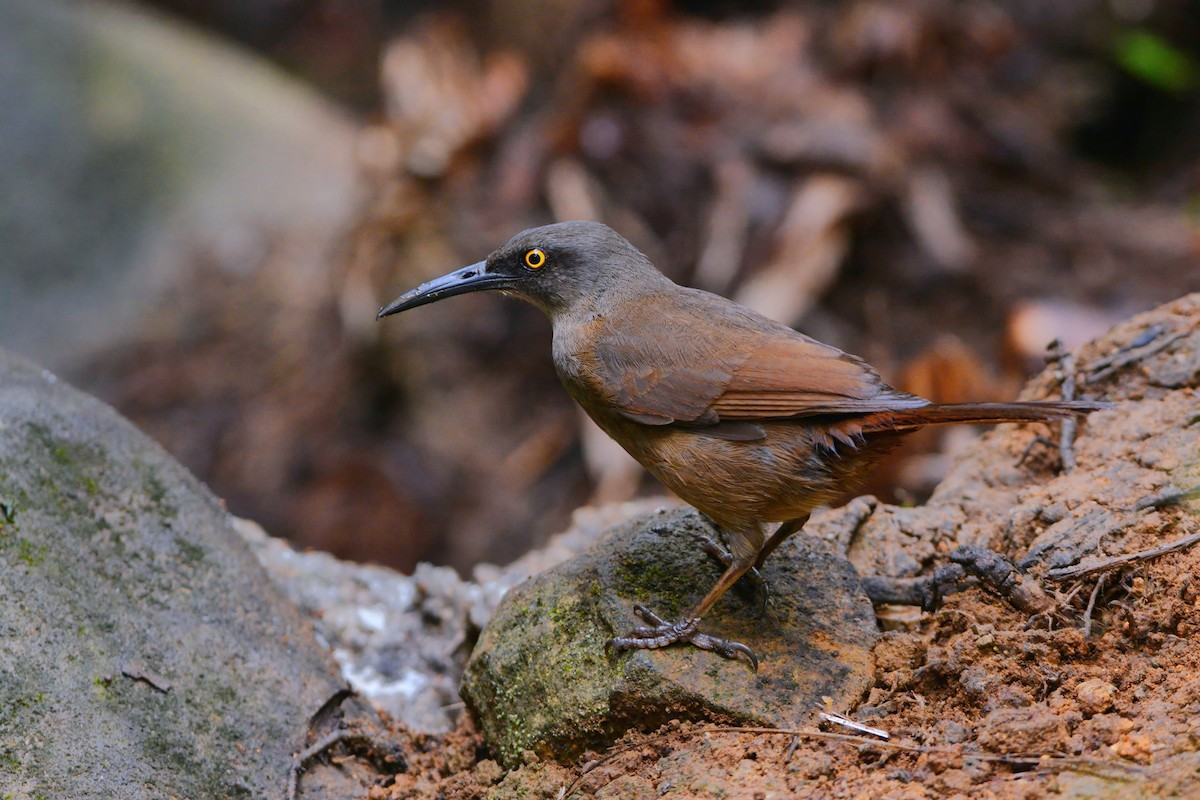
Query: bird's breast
{"type": "Point", "coordinates": [575, 360]}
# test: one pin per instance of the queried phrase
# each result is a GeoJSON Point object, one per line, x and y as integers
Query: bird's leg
{"type": "Point", "coordinates": [785, 530]}
{"type": "Point", "coordinates": [663, 633]}
{"type": "Point", "coordinates": [760, 592]}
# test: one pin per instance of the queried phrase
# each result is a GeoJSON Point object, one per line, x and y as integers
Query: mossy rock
{"type": "Point", "coordinates": [541, 679]}
{"type": "Point", "coordinates": [143, 651]}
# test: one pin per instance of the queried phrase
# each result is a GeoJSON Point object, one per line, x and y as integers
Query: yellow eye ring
{"type": "Point", "coordinates": [535, 258]}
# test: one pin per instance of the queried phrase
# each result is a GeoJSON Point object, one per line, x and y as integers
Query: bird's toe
{"type": "Point", "coordinates": [661, 633]}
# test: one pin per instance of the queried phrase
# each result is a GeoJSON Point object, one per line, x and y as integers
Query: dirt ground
{"type": "Point", "coordinates": [978, 704]}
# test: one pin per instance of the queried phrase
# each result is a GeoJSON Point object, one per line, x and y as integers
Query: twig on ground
{"type": "Point", "coordinates": [1102, 368]}
{"type": "Point", "coordinates": [1034, 442]}
{"type": "Point", "coordinates": [842, 528]}
{"type": "Point", "coordinates": [1066, 375]}
{"type": "Point", "coordinates": [1093, 526]}
{"type": "Point", "coordinates": [330, 715]}
{"type": "Point", "coordinates": [838, 719]}
{"type": "Point", "coordinates": [925, 592]}
{"type": "Point", "coordinates": [1087, 614]}
{"type": "Point", "coordinates": [969, 566]}
{"type": "Point", "coordinates": [1116, 562]}
{"type": "Point", "coordinates": [1168, 497]}
{"type": "Point", "coordinates": [315, 749]}
{"type": "Point", "coordinates": [1141, 340]}
{"type": "Point", "coordinates": [1003, 577]}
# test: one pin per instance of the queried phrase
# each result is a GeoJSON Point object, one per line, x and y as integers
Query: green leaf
{"type": "Point", "coordinates": [1147, 56]}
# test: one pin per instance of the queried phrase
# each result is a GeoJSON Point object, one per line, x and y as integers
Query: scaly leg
{"type": "Point", "coordinates": [758, 585]}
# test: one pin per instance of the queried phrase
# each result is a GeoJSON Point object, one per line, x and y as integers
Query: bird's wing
{"type": "Point", "coordinates": [696, 359]}
{"type": "Point", "coordinates": [795, 376]}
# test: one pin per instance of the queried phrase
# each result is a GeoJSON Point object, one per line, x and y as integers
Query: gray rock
{"type": "Point", "coordinates": [400, 640]}
{"type": "Point", "coordinates": [541, 679]}
{"type": "Point", "coordinates": [143, 654]}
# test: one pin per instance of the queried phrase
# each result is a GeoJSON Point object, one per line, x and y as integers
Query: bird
{"type": "Point", "coordinates": [746, 419]}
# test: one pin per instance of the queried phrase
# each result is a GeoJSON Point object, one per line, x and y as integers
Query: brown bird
{"type": "Point", "coordinates": [746, 419]}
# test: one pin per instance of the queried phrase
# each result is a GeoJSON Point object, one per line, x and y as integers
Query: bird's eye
{"type": "Point", "coordinates": [535, 258]}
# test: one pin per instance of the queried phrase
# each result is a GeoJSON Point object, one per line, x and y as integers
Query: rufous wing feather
{"type": "Point", "coordinates": [650, 364]}
{"type": "Point", "coordinates": [796, 377]}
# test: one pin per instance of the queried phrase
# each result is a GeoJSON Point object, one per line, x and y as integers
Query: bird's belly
{"type": "Point", "coordinates": [738, 483]}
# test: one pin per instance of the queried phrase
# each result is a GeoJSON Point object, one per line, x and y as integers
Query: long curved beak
{"type": "Point", "coordinates": [474, 278]}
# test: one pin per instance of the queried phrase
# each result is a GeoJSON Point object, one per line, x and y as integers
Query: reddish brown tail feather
{"type": "Point", "coordinates": [943, 413]}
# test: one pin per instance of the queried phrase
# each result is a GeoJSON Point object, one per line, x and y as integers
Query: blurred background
{"type": "Point", "coordinates": [204, 202]}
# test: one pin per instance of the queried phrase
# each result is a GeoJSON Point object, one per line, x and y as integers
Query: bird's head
{"type": "Point", "coordinates": [559, 268]}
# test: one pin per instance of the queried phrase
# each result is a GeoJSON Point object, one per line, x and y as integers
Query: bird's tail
{"type": "Point", "coordinates": [944, 413]}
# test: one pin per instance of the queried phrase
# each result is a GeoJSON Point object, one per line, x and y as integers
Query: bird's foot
{"type": "Point", "coordinates": [760, 591]}
{"type": "Point", "coordinates": [665, 633]}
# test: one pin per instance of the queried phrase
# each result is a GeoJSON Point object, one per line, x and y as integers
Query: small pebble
{"type": "Point", "coordinates": [1095, 696]}
{"type": "Point", "coordinates": [488, 771]}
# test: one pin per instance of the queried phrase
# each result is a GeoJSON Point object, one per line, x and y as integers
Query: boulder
{"type": "Point", "coordinates": [136, 151]}
{"type": "Point", "coordinates": [143, 652]}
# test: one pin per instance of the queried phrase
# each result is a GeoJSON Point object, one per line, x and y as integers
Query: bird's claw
{"type": "Point", "coordinates": [663, 633]}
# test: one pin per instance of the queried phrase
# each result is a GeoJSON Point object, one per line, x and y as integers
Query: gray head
{"type": "Point", "coordinates": [559, 268]}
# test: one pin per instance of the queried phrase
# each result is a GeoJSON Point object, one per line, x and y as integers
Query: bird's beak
{"type": "Point", "coordinates": [474, 278]}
